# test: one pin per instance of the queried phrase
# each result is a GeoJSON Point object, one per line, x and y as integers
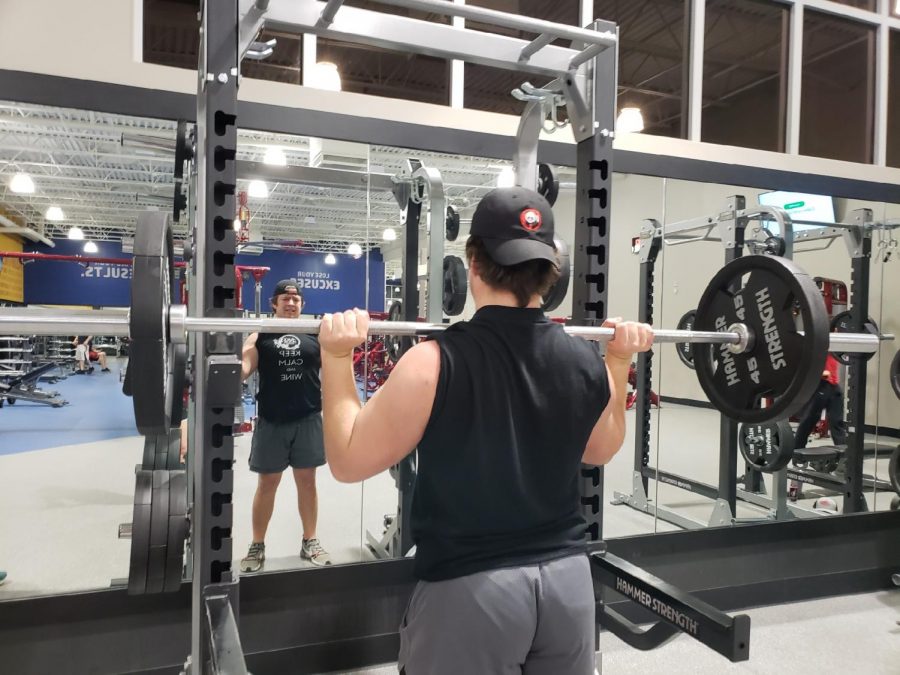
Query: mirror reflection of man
{"type": "Point", "coordinates": [289, 425]}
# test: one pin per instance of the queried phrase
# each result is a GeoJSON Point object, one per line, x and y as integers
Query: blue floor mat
{"type": "Point", "coordinates": [97, 410]}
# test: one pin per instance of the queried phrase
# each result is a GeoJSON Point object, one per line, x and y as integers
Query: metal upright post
{"type": "Point", "coordinates": [644, 371]}
{"type": "Point", "coordinates": [732, 235]}
{"type": "Point", "coordinates": [216, 361]}
{"type": "Point", "coordinates": [594, 171]}
{"type": "Point", "coordinates": [859, 244]}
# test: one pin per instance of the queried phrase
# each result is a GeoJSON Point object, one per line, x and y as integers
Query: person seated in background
{"type": "Point", "coordinates": [2, 577]}
{"type": "Point", "coordinates": [84, 354]}
{"type": "Point", "coordinates": [828, 397]}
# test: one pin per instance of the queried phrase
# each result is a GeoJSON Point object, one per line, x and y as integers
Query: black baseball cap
{"type": "Point", "coordinates": [286, 285]}
{"type": "Point", "coordinates": [516, 225]}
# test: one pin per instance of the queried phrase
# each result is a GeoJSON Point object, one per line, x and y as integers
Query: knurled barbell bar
{"type": "Point", "coordinates": [760, 333]}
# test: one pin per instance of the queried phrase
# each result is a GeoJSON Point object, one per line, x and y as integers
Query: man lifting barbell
{"type": "Point", "coordinates": [503, 409]}
{"type": "Point", "coordinates": [289, 427]}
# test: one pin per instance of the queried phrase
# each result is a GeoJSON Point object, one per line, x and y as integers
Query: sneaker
{"type": "Point", "coordinates": [104, 370]}
{"type": "Point", "coordinates": [312, 550]}
{"type": "Point", "coordinates": [254, 559]}
{"type": "Point", "coordinates": [2, 577]}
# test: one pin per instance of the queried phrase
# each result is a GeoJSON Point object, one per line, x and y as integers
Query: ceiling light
{"type": "Point", "coordinates": [76, 233]}
{"type": "Point", "coordinates": [389, 234]}
{"type": "Point", "coordinates": [506, 177]}
{"type": "Point", "coordinates": [55, 213]}
{"type": "Point", "coordinates": [309, 220]}
{"type": "Point", "coordinates": [90, 247]}
{"type": "Point", "coordinates": [325, 75]}
{"type": "Point", "coordinates": [21, 184]}
{"type": "Point", "coordinates": [630, 121]}
{"type": "Point", "coordinates": [258, 189]}
{"type": "Point", "coordinates": [275, 156]}
{"type": "Point", "coordinates": [355, 250]}
{"type": "Point", "coordinates": [330, 259]}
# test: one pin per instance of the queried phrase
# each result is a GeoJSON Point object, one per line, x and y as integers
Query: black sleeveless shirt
{"type": "Point", "coordinates": [498, 464]}
{"type": "Point", "coordinates": [289, 383]}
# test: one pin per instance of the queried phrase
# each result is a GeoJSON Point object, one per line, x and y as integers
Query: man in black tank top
{"type": "Point", "coordinates": [502, 410]}
{"type": "Point", "coordinates": [289, 426]}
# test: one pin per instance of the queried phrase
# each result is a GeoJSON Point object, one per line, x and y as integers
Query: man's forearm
{"type": "Point", "coordinates": [340, 406]}
{"type": "Point", "coordinates": [618, 372]}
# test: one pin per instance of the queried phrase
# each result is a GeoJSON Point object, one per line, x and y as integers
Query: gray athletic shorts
{"type": "Point", "coordinates": [299, 445]}
{"type": "Point", "coordinates": [533, 620]}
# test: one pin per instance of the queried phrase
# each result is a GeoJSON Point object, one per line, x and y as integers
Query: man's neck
{"type": "Point", "coordinates": [503, 299]}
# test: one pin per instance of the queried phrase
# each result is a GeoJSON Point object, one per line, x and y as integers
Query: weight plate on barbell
{"type": "Point", "coordinates": [842, 322]}
{"type": "Point", "coordinates": [456, 285]}
{"type": "Point", "coordinates": [140, 531]}
{"type": "Point", "coordinates": [397, 345]}
{"type": "Point", "coordinates": [548, 183]}
{"type": "Point", "coordinates": [768, 446]}
{"type": "Point", "coordinates": [179, 380]}
{"type": "Point", "coordinates": [783, 362]}
{"type": "Point", "coordinates": [685, 350]}
{"type": "Point", "coordinates": [452, 223]}
{"type": "Point", "coordinates": [557, 292]}
{"type": "Point", "coordinates": [151, 352]}
{"type": "Point", "coordinates": [895, 374]}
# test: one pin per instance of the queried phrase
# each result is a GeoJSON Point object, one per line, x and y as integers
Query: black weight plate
{"type": "Point", "coordinates": [456, 285]}
{"type": "Point", "coordinates": [178, 530]}
{"type": "Point", "coordinates": [557, 292]}
{"type": "Point", "coordinates": [775, 246]}
{"type": "Point", "coordinates": [397, 345]}
{"type": "Point", "coordinates": [127, 388]}
{"type": "Point", "coordinates": [179, 202]}
{"type": "Point", "coordinates": [842, 322]}
{"type": "Point", "coordinates": [152, 236]}
{"type": "Point", "coordinates": [548, 183]}
{"type": "Point", "coordinates": [784, 361]}
{"type": "Point", "coordinates": [685, 350]}
{"type": "Point", "coordinates": [140, 531]}
{"type": "Point", "coordinates": [159, 533]}
{"type": "Point", "coordinates": [148, 461]}
{"type": "Point", "coordinates": [179, 379]}
{"type": "Point", "coordinates": [452, 223]}
{"type": "Point", "coordinates": [183, 150]}
{"type": "Point", "coordinates": [894, 470]}
{"type": "Point", "coordinates": [768, 446]}
{"type": "Point", "coordinates": [173, 449]}
{"type": "Point", "coordinates": [895, 374]}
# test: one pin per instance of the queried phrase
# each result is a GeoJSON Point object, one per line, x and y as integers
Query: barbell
{"type": "Point", "coordinates": [760, 333]}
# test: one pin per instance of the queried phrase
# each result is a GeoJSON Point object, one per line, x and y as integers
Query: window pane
{"type": "Point", "coordinates": [382, 72]}
{"type": "Point", "coordinates": [744, 65]}
{"type": "Point", "coordinates": [651, 60]}
{"type": "Point", "coordinates": [862, 4]}
{"type": "Point", "coordinates": [893, 118]}
{"type": "Point", "coordinates": [172, 38]}
{"type": "Point", "coordinates": [837, 99]}
{"type": "Point", "coordinates": [489, 88]}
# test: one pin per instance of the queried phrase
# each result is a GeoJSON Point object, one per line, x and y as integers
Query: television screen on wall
{"type": "Point", "coordinates": [801, 206]}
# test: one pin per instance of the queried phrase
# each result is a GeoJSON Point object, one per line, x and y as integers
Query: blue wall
{"type": "Point", "coordinates": [326, 288]}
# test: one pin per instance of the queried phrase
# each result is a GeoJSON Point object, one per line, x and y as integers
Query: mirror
{"type": "Point", "coordinates": [688, 496]}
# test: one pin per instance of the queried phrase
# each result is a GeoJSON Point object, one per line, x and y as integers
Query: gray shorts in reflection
{"type": "Point", "coordinates": [299, 445]}
{"type": "Point", "coordinates": [534, 620]}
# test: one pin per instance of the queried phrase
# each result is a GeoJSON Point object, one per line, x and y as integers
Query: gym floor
{"type": "Point", "coordinates": [67, 482]}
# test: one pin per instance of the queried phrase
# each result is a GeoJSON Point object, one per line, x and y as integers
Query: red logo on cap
{"type": "Point", "coordinates": [530, 219]}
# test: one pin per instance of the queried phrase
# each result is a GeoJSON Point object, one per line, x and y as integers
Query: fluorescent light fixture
{"type": "Point", "coordinates": [309, 220]}
{"type": "Point", "coordinates": [389, 234]}
{"type": "Point", "coordinates": [237, 224]}
{"type": "Point", "coordinates": [330, 259]}
{"type": "Point", "coordinates": [355, 250]}
{"type": "Point", "coordinates": [55, 213]}
{"type": "Point", "coordinates": [630, 121]}
{"type": "Point", "coordinates": [90, 247]}
{"type": "Point", "coordinates": [275, 156]}
{"type": "Point", "coordinates": [325, 75]}
{"type": "Point", "coordinates": [22, 184]}
{"type": "Point", "coordinates": [506, 177]}
{"type": "Point", "coordinates": [76, 233]}
{"type": "Point", "coordinates": [258, 189]}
